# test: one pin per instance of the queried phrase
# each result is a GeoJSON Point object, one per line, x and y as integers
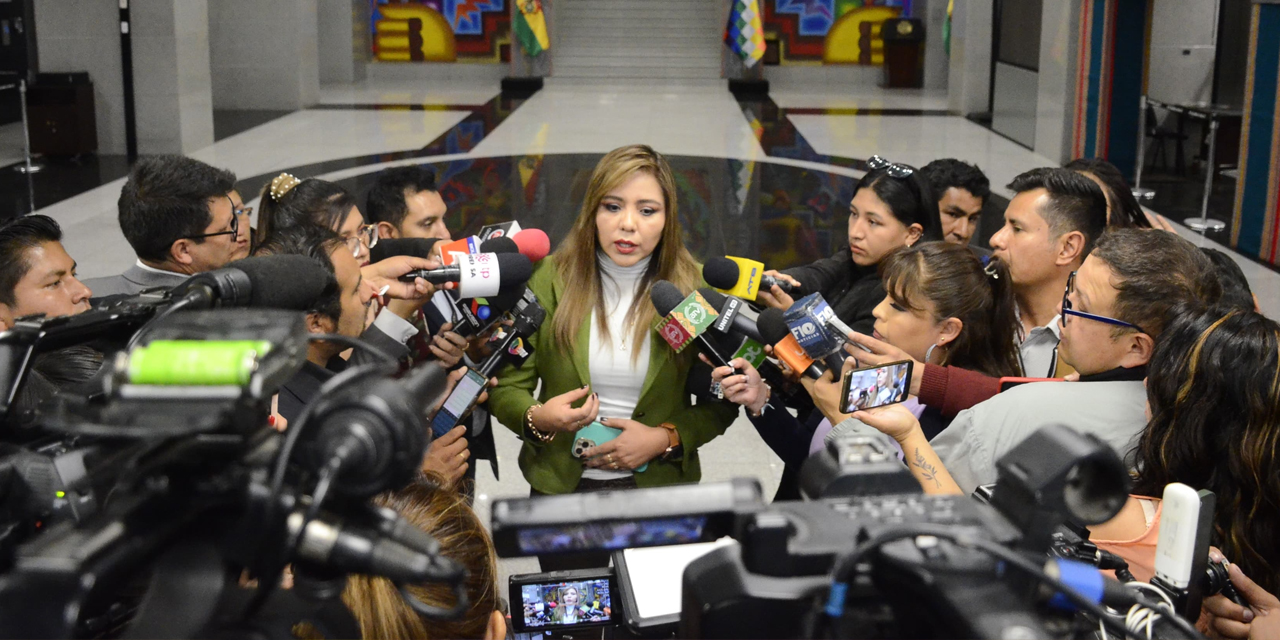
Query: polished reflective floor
{"type": "Point", "coordinates": [769, 178]}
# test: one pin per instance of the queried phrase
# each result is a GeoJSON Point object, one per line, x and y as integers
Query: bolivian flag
{"type": "Point", "coordinates": [531, 27]}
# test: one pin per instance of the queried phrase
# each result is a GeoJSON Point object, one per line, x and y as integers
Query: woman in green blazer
{"type": "Point", "coordinates": [597, 355]}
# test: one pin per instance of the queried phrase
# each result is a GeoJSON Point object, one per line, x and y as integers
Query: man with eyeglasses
{"type": "Point", "coordinates": [1112, 313]}
{"type": "Point", "coordinates": [179, 218]}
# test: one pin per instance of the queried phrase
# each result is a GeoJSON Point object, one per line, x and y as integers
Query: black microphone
{"type": "Point", "coordinates": [500, 244]}
{"type": "Point", "coordinates": [774, 330]}
{"type": "Point", "coordinates": [666, 297]}
{"type": "Point", "coordinates": [724, 273]}
{"type": "Point", "coordinates": [285, 281]}
{"type": "Point", "coordinates": [524, 325]}
{"type": "Point", "coordinates": [349, 548]}
{"type": "Point", "coordinates": [479, 274]}
{"type": "Point", "coordinates": [731, 315]}
{"type": "Point", "coordinates": [416, 247]}
{"type": "Point", "coordinates": [377, 429]}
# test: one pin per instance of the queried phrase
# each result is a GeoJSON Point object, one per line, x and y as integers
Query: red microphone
{"type": "Point", "coordinates": [533, 244]}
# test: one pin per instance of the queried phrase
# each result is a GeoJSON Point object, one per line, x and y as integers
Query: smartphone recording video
{"type": "Point", "coordinates": [560, 600]}
{"type": "Point", "coordinates": [875, 386]}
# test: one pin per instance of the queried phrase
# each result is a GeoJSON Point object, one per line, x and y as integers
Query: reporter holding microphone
{"type": "Point", "coordinates": [892, 207]}
{"type": "Point", "coordinates": [597, 356]}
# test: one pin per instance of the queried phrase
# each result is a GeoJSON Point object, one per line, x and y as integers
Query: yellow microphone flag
{"type": "Point", "coordinates": [749, 274]}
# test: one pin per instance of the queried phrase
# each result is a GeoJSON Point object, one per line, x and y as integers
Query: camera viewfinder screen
{"type": "Point", "coordinates": [877, 386]}
{"type": "Point", "coordinates": [566, 603]}
{"type": "Point", "coordinates": [611, 536]}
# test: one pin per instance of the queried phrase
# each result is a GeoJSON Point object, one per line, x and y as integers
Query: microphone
{"type": "Point", "coordinates": [533, 243]}
{"type": "Point", "coordinates": [774, 330]}
{"type": "Point", "coordinates": [512, 344]}
{"type": "Point", "coordinates": [479, 275]}
{"type": "Point", "coordinates": [731, 318]}
{"type": "Point", "coordinates": [348, 548]}
{"type": "Point", "coordinates": [499, 229]}
{"type": "Point", "coordinates": [807, 319]}
{"type": "Point", "coordinates": [500, 244]}
{"type": "Point", "coordinates": [416, 247]}
{"type": "Point", "coordinates": [289, 282]}
{"type": "Point", "coordinates": [740, 277]}
{"type": "Point", "coordinates": [450, 252]}
{"type": "Point", "coordinates": [686, 319]}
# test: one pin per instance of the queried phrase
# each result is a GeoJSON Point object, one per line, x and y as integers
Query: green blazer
{"type": "Point", "coordinates": [550, 467]}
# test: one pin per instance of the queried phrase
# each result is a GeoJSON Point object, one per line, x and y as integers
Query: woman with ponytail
{"type": "Point", "coordinates": [289, 202]}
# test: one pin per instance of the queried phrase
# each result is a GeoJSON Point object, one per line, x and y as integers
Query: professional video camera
{"type": "Point", "coordinates": [178, 485]}
{"type": "Point", "coordinates": [869, 557]}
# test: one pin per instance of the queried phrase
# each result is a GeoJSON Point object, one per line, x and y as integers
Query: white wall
{"type": "Point", "coordinates": [343, 28]}
{"type": "Point", "coordinates": [969, 83]}
{"type": "Point", "coordinates": [172, 96]}
{"type": "Point", "coordinates": [84, 35]}
{"type": "Point", "coordinates": [264, 53]}
{"type": "Point", "coordinates": [1056, 95]}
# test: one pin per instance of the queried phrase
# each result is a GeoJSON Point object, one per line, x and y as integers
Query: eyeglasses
{"type": "Point", "coordinates": [243, 211]}
{"type": "Point", "coordinates": [1067, 311]}
{"type": "Point", "coordinates": [233, 231]}
{"type": "Point", "coordinates": [366, 236]}
{"type": "Point", "coordinates": [894, 169]}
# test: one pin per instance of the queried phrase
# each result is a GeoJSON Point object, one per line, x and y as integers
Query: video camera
{"type": "Point", "coordinates": [864, 559]}
{"type": "Point", "coordinates": [165, 487]}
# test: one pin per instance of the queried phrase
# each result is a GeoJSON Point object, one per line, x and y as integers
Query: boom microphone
{"type": "Point", "coordinates": [417, 247]}
{"type": "Point", "coordinates": [686, 320]}
{"type": "Point", "coordinates": [740, 277]}
{"type": "Point", "coordinates": [289, 282]}
{"type": "Point", "coordinates": [774, 330]}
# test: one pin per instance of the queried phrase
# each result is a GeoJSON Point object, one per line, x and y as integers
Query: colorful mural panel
{"type": "Point", "coordinates": [440, 30]}
{"type": "Point", "coordinates": [829, 31]}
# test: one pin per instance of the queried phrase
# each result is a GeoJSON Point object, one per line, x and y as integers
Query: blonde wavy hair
{"type": "Point", "coordinates": [576, 256]}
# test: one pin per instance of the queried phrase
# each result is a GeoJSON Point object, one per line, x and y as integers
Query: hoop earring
{"type": "Point", "coordinates": [929, 353]}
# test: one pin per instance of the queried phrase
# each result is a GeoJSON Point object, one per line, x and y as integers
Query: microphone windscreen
{"type": "Point", "coordinates": [721, 273]}
{"type": "Point", "coordinates": [715, 298]}
{"type": "Point", "coordinates": [773, 327]}
{"type": "Point", "coordinates": [533, 243]}
{"type": "Point", "coordinates": [501, 244]}
{"type": "Point", "coordinates": [514, 269]}
{"type": "Point", "coordinates": [283, 281]}
{"type": "Point", "coordinates": [665, 297]}
{"type": "Point", "coordinates": [417, 247]}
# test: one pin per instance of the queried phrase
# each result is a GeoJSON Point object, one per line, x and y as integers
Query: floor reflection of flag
{"type": "Point", "coordinates": [530, 165]}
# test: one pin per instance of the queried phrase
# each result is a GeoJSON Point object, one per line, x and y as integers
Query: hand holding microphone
{"type": "Point", "coordinates": [745, 388]}
{"type": "Point", "coordinates": [777, 293]}
{"type": "Point", "coordinates": [747, 279]}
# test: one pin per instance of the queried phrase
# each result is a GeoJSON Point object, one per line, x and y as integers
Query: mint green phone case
{"type": "Point", "coordinates": [600, 434]}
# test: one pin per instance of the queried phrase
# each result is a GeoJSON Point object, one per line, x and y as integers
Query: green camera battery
{"type": "Point", "coordinates": [196, 362]}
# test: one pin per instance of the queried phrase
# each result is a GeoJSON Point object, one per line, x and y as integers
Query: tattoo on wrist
{"type": "Point", "coordinates": [928, 471]}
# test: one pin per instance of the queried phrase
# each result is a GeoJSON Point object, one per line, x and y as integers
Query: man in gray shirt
{"type": "Point", "coordinates": [1113, 311]}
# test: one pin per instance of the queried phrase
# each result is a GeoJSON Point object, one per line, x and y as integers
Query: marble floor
{"type": "Point", "coordinates": [745, 169]}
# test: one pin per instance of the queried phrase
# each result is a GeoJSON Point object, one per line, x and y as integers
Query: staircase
{"type": "Point", "coordinates": [645, 42]}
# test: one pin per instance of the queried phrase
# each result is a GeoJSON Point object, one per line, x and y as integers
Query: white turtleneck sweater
{"type": "Point", "coordinates": [613, 375]}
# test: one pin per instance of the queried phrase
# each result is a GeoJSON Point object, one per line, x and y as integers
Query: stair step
{"type": "Point", "coordinates": [630, 63]}
{"type": "Point", "coordinates": [636, 53]}
{"type": "Point", "coordinates": [612, 72]}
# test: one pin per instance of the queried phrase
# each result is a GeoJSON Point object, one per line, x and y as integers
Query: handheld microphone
{"type": "Point", "coordinates": [289, 282]}
{"type": "Point", "coordinates": [774, 330]}
{"type": "Point", "coordinates": [500, 244]}
{"type": "Point", "coordinates": [740, 277]}
{"type": "Point", "coordinates": [479, 275]}
{"type": "Point", "coordinates": [510, 347]}
{"type": "Point", "coordinates": [450, 252]}
{"type": "Point", "coordinates": [807, 319]}
{"type": "Point", "coordinates": [685, 320]}
{"type": "Point", "coordinates": [416, 247]}
{"type": "Point", "coordinates": [499, 229]}
{"type": "Point", "coordinates": [533, 243]}
{"type": "Point", "coordinates": [731, 318]}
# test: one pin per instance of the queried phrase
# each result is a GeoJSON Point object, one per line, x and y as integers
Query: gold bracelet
{"type": "Point", "coordinates": [528, 423]}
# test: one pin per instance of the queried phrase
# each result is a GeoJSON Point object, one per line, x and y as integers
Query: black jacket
{"type": "Point", "coordinates": [852, 291]}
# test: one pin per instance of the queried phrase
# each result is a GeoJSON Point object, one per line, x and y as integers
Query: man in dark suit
{"type": "Point", "coordinates": [177, 215]}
